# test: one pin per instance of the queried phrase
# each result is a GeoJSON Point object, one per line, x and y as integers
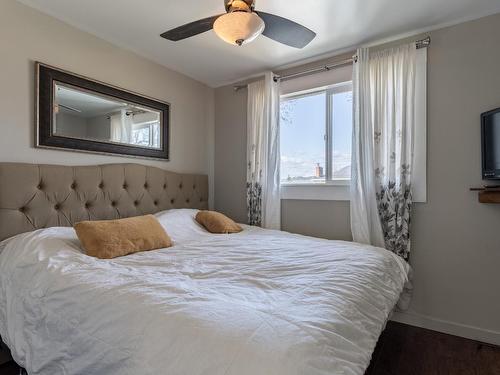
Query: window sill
{"type": "Point", "coordinates": [331, 191]}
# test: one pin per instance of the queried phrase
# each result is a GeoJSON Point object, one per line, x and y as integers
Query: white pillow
{"type": "Point", "coordinates": [180, 224]}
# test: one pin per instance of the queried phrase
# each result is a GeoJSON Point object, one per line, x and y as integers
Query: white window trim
{"type": "Point", "coordinates": [419, 178]}
{"type": "Point", "coordinates": [317, 192]}
{"type": "Point", "coordinates": [331, 189]}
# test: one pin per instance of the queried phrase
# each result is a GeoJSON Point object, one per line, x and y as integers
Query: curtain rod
{"type": "Point", "coordinates": [422, 43]}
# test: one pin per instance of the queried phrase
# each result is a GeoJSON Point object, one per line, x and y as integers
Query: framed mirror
{"type": "Point", "coordinates": [80, 114]}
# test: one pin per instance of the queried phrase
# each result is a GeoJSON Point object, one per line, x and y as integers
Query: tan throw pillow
{"type": "Point", "coordinates": [108, 239]}
{"type": "Point", "coordinates": [215, 222]}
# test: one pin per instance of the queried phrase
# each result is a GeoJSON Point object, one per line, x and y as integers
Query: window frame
{"type": "Point", "coordinates": [344, 183]}
{"type": "Point", "coordinates": [147, 125]}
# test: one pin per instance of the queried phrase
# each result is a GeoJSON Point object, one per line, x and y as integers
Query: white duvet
{"type": "Point", "coordinates": [257, 302]}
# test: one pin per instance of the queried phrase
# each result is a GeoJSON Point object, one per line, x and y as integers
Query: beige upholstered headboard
{"type": "Point", "coordinates": [39, 196]}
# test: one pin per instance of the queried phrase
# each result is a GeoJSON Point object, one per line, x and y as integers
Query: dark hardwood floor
{"type": "Point", "coordinates": [9, 368]}
{"type": "Point", "coordinates": [407, 350]}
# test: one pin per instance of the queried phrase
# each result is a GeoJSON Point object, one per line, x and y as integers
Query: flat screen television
{"type": "Point", "coordinates": [490, 139]}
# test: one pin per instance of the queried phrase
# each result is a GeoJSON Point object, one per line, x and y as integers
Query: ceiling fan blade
{"type": "Point", "coordinates": [286, 31]}
{"type": "Point", "coordinates": [190, 29]}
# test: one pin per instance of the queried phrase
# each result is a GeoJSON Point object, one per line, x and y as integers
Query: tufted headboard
{"type": "Point", "coordinates": [39, 196]}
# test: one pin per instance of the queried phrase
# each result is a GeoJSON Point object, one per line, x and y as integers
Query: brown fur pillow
{"type": "Point", "coordinates": [108, 239]}
{"type": "Point", "coordinates": [215, 222]}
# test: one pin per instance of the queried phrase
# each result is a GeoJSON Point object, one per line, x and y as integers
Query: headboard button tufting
{"type": "Point", "coordinates": [36, 196]}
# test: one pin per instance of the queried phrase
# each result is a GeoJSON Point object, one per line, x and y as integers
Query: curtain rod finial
{"type": "Point", "coordinates": [424, 42]}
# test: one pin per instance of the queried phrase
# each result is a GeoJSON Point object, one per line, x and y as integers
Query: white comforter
{"type": "Point", "coordinates": [258, 302]}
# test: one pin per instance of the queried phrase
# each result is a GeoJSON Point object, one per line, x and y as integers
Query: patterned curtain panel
{"type": "Point", "coordinates": [263, 195]}
{"type": "Point", "coordinates": [384, 144]}
{"type": "Point", "coordinates": [254, 203]}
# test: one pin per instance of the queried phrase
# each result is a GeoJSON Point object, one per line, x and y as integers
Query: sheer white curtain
{"type": "Point", "coordinates": [121, 127]}
{"type": "Point", "coordinates": [116, 127]}
{"type": "Point", "coordinates": [384, 98]}
{"type": "Point", "coordinates": [263, 179]}
{"type": "Point", "coordinates": [365, 222]}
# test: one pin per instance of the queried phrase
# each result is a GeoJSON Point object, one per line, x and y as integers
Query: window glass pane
{"type": "Point", "coordinates": [141, 135]}
{"type": "Point", "coordinates": [341, 134]}
{"type": "Point", "coordinates": [146, 134]}
{"type": "Point", "coordinates": [302, 137]}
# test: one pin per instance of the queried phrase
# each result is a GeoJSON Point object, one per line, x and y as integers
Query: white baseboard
{"type": "Point", "coordinates": [451, 328]}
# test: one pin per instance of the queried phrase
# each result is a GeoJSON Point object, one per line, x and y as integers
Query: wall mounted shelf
{"type": "Point", "coordinates": [488, 194]}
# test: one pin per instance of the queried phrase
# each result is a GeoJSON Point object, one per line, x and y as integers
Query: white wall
{"type": "Point", "coordinates": [27, 35]}
{"type": "Point", "coordinates": [70, 125]}
{"type": "Point", "coordinates": [455, 239]}
{"type": "Point", "coordinates": [99, 127]}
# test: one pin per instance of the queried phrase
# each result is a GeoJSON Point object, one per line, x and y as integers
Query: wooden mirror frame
{"type": "Point", "coordinates": [46, 76]}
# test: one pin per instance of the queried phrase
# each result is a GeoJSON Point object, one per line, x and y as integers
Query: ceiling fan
{"type": "Point", "coordinates": [242, 23]}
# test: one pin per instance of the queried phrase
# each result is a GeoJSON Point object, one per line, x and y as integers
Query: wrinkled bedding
{"type": "Point", "coordinates": [256, 302]}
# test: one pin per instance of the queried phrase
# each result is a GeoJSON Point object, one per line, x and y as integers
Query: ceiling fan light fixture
{"type": "Point", "coordinates": [239, 28]}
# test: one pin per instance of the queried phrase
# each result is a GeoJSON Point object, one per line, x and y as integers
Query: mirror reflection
{"type": "Point", "coordinates": [83, 115]}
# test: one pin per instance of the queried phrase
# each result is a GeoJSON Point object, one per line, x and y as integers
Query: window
{"type": "Point", "coordinates": [146, 134]}
{"type": "Point", "coordinates": [315, 136]}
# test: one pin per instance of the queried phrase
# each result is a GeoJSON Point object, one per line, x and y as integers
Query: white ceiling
{"type": "Point", "coordinates": [340, 24]}
{"type": "Point", "coordinates": [89, 105]}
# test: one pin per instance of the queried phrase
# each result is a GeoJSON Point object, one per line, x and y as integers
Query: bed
{"type": "Point", "coordinates": [256, 302]}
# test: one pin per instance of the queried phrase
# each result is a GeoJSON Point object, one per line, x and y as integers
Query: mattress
{"type": "Point", "coordinates": [256, 302]}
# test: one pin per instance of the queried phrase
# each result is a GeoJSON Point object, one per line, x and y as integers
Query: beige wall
{"type": "Point", "coordinates": [230, 152]}
{"type": "Point", "coordinates": [27, 35]}
{"type": "Point", "coordinates": [324, 219]}
{"type": "Point", "coordinates": [456, 245]}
